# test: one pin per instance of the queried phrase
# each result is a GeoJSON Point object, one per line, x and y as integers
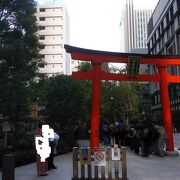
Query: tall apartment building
{"type": "Point", "coordinates": [134, 26]}
{"type": "Point", "coordinates": [53, 33]}
{"type": "Point", "coordinates": [164, 38]}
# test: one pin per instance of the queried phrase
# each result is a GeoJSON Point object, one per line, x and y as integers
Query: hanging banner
{"type": "Point", "coordinates": [99, 157]}
{"type": "Point", "coordinates": [85, 156]}
{"type": "Point", "coordinates": [115, 154]}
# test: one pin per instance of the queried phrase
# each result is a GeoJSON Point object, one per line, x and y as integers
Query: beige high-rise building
{"type": "Point", "coordinates": [134, 26]}
{"type": "Point", "coordinates": [53, 33]}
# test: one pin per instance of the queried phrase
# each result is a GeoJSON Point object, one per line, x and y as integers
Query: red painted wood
{"type": "Point", "coordinates": [118, 77]}
{"type": "Point", "coordinates": [97, 75]}
{"type": "Point", "coordinates": [166, 112]}
{"type": "Point", "coordinates": [99, 58]}
{"type": "Point", "coordinates": [95, 107]}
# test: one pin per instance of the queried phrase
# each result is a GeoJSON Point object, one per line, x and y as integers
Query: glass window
{"type": "Point", "coordinates": [42, 37]}
{"type": "Point", "coordinates": [168, 33]}
{"type": "Point", "coordinates": [42, 10]}
{"type": "Point", "coordinates": [41, 27]}
{"type": "Point", "coordinates": [42, 18]}
{"type": "Point", "coordinates": [42, 56]}
{"type": "Point", "coordinates": [167, 18]}
{"type": "Point", "coordinates": [172, 28]}
{"type": "Point", "coordinates": [171, 12]}
{"type": "Point", "coordinates": [162, 26]}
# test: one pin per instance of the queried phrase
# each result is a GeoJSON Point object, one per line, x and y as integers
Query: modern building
{"type": "Point", "coordinates": [164, 38]}
{"type": "Point", "coordinates": [53, 22]}
{"type": "Point", "coordinates": [134, 26]}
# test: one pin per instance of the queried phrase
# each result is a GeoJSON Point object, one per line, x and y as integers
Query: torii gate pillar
{"type": "Point", "coordinates": [166, 112]}
{"type": "Point", "coordinates": [95, 106]}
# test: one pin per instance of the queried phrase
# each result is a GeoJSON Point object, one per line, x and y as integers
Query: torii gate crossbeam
{"type": "Point", "coordinates": [96, 75]}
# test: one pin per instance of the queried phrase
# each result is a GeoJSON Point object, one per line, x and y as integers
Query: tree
{"type": "Point", "coordinates": [63, 101]}
{"type": "Point", "coordinates": [19, 54]}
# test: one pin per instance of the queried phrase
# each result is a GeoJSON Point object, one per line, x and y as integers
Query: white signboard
{"type": "Point", "coordinates": [99, 157]}
{"type": "Point", "coordinates": [115, 154]}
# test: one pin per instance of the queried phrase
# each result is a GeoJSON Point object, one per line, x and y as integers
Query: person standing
{"type": "Point", "coordinates": [42, 167]}
{"type": "Point", "coordinates": [53, 142]}
{"type": "Point", "coordinates": [161, 141]}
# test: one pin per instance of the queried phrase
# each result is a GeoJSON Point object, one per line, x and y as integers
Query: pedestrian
{"type": "Point", "coordinates": [42, 167]}
{"type": "Point", "coordinates": [116, 133]}
{"type": "Point", "coordinates": [53, 142]}
{"type": "Point", "coordinates": [161, 141]}
{"type": "Point", "coordinates": [122, 134]}
{"type": "Point", "coordinates": [112, 133]}
{"type": "Point", "coordinates": [145, 140]}
{"type": "Point", "coordinates": [105, 133]}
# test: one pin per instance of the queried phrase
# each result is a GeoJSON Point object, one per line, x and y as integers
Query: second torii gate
{"type": "Point", "coordinates": [97, 74]}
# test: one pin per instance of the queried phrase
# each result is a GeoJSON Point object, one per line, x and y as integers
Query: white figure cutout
{"type": "Point", "coordinates": [42, 143]}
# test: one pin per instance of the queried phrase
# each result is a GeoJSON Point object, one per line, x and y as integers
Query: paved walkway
{"type": "Point", "coordinates": [138, 168]}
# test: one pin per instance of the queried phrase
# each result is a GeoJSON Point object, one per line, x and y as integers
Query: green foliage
{"type": "Point", "coordinates": [19, 55]}
{"type": "Point", "coordinates": [120, 100]}
{"type": "Point", "coordinates": [3, 151]}
{"type": "Point", "coordinates": [84, 66]}
{"type": "Point", "coordinates": [25, 156]}
{"type": "Point", "coordinates": [63, 101]}
{"type": "Point", "coordinates": [24, 135]}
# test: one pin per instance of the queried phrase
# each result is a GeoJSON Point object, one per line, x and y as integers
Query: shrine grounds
{"type": "Point", "coordinates": [138, 168]}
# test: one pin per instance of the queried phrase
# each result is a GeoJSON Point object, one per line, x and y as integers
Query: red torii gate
{"type": "Point", "coordinates": [97, 74]}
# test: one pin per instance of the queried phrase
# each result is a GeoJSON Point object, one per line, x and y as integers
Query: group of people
{"type": "Point", "coordinates": [146, 138]}
{"type": "Point", "coordinates": [113, 133]}
{"type": "Point", "coordinates": [43, 167]}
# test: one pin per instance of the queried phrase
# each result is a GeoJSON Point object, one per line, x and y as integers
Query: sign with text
{"type": "Point", "coordinates": [85, 155]}
{"type": "Point", "coordinates": [115, 154]}
{"type": "Point", "coordinates": [100, 157]}
{"type": "Point", "coordinates": [133, 65]}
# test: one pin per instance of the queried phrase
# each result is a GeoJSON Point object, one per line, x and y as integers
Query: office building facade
{"type": "Point", "coordinates": [134, 26]}
{"type": "Point", "coordinates": [164, 38]}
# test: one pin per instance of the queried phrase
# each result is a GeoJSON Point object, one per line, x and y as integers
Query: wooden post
{"type": "Point", "coordinates": [109, 164]}
{"type": "Point", "coordinates": [166, 112]}
{"type": "Point", "coordinates": [8, 170]}
{"type": "Point", "coordinates": [89, 164]}
{"type": "Point", "coordinates": [124, 165]}
{"type": "Point", "coordinates": [75, 163]}
{"type": "Point", "coordinates": [95, 107]}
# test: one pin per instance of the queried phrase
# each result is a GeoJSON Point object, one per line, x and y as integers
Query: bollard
{"type": "Point", "coordinates": [8, 170]}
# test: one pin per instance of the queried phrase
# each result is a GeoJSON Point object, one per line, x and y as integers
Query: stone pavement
{"type": "Point", "coordinates": [138, 168]}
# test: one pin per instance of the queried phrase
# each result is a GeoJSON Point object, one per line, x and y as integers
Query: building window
{"type": "Point", "coordinates": [168, 33]}
{"type": "Point", "coordinates": [171, 12]}
{"type": "Point", "coordinates": [167, 18]}
{"type": "Point", "coordinates": [42, 37]}
{"type": "Point", "coordinates": [178, 43]}
{"type": "Point", "coordinates": [42, 10]}
{"type": "Point", "coordinates": [42, 18]}
{"type": "Point", "coordinates": [162, 26]}
{"type": "Point", "coordinates": [159, 31]}
{"type": "Point", "coordinates": [172, 28]}
{"type": "Point", "coordinates": [41, 27]}
{"type": "Point", "coordinates": [42, 56]}
{"type": "Point", "coordinates": [179, 20]}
